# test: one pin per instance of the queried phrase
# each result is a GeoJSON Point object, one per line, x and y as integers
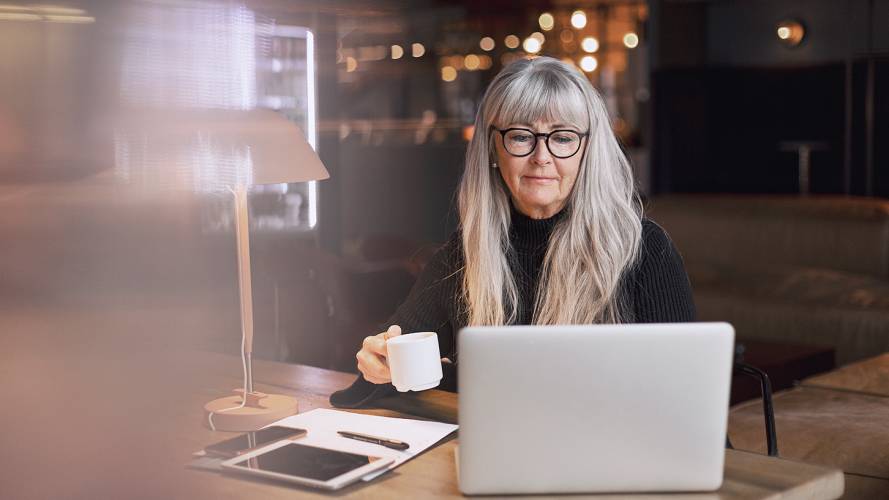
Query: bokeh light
{"type": "Point", "coordinates": [531, 45]}
{"type": "Point", "coordinates": [448, 73]}
{"type": "Point", "coordinates": [589, 63]}
{"type": "Point", "coordinates": [631, 40]}
{"type": "Point", "coordinates": [578, 19]}
{"type": "Point", "coordinates": [546, 21]}
{"type": "Point", "coordinates": [471, 62]}
{"type": "Point", "coordinates": [590, 44]}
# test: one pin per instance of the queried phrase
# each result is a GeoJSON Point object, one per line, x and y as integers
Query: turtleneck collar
{"type": "Point", "coordinates": [526, 233]}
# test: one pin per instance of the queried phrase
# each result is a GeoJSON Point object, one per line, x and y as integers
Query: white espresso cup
{"type": "Point", "coordinates": [414, 361]}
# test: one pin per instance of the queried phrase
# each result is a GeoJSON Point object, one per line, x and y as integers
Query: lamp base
{"type": "Point", "coordinates": [261, 410]}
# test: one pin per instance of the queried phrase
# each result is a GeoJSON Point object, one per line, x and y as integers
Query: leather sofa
{"type": "Point", "coordinates": [806, 270]}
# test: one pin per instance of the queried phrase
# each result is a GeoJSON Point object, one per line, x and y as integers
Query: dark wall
{"type": "Point", "coordinates": [742, 33]}
{"type": "Point", "coordinates": [727, 94]}
{"type": "Point", "coordinates": [873, 181]}
{"type": "Point", "coordinates": [406, 191]}
{"type": "Point", "coordinates": [721, 128]}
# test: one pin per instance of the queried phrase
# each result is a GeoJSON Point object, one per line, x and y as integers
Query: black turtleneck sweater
{"type": "Point", "coordinates": [655, 289]}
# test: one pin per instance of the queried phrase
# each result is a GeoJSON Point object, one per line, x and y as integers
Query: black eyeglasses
{"type": "Point", "coordinates": [562, 143]}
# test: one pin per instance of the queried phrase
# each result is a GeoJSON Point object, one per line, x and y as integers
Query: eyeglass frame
{"type": "Point", "coordinates": [537, 136]}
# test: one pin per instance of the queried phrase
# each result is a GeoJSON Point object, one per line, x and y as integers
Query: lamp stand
{"type": "Point", "coordinates": [250, 410]}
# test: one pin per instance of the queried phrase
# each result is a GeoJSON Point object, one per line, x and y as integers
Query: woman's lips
{"type": "Point", "coordinates": [539, 180]}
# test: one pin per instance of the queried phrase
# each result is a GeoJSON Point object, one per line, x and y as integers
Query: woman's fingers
{"type": "Point", "coordinates": [375, 344]}
{"type": "Point", "coordinates": [372, 356]}
{"type": "Point", "coordinates": [373, 368]}
{"type": "Point", "coordinates": [392, 332]}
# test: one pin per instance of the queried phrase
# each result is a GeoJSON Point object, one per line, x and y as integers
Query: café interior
{"type": "Point", "coordinates": [757, 131]}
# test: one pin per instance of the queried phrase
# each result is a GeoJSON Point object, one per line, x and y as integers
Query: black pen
{"type": "Point", "coordinates": [388, 443]}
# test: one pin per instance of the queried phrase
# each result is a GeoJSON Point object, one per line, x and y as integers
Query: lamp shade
{"type": "Point", "coordinates": [206, 150]}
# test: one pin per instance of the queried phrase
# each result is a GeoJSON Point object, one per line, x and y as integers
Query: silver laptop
{"type": "Point", "coordinates": [593, 408]}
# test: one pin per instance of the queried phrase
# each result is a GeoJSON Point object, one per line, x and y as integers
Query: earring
{"type": "Point", "coordinates": [493, 164]}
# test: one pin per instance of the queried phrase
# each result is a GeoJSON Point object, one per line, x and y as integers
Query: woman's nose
{"type": "Point", "coordinates": [541, 152]}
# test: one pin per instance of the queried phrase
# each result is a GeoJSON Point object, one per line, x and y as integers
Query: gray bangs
{"type": "Point", "coordinates": [542, 96]}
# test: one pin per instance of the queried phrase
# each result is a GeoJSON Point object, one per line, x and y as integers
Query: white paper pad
{"type": "Point", "coordinates": [322, 426]}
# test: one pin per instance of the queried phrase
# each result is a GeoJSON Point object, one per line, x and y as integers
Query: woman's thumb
{"type": "Point", "coordinates": [393, 331]}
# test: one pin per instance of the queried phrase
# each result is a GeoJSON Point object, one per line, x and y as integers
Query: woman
{"type": "Point", "coordinates": [551, 229]}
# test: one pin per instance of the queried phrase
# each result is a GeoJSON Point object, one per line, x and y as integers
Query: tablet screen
{"type": "Point", "coordinates": [307, 461]}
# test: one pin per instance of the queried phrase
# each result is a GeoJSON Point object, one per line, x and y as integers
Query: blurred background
{"type": "Point", "coordinates": [758, 132]}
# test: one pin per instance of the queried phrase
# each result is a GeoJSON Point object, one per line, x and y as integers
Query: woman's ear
{"type": "Point", "coordinates": [492, 158]}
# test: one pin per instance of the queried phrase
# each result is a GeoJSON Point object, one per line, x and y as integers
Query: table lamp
{"type": "Point", "coordinates": [210, 150]}
{"type": "Point", "coordinates": [269, 149]}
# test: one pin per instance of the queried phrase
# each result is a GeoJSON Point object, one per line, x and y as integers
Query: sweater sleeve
{"type": "Point", "coordinates": [430, 304]}
{"type": "Point", "coordinates": [662, 292]}
{"type": "Point", "coordinates": [428, 307]}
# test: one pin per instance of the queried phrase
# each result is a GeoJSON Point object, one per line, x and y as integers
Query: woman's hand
{"type": "Point", "coordinates": [372, 356]}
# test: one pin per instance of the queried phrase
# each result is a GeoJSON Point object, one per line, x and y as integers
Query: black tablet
{"type": "Point", "coordinates": [306, 465]}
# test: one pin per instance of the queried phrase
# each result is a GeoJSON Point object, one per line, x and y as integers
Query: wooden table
{"type": "Point", "coordinates": [748, 475]}
{"type": "Point", "coordinates": [838, 419]}
{"type": "Point", "coordinates": [433, 473]}
{"type": "Point", "coordinates": [118, 415]}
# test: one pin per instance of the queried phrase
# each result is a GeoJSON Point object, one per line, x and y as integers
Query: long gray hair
{"type": "Point", "coordinates": [592, 245]}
